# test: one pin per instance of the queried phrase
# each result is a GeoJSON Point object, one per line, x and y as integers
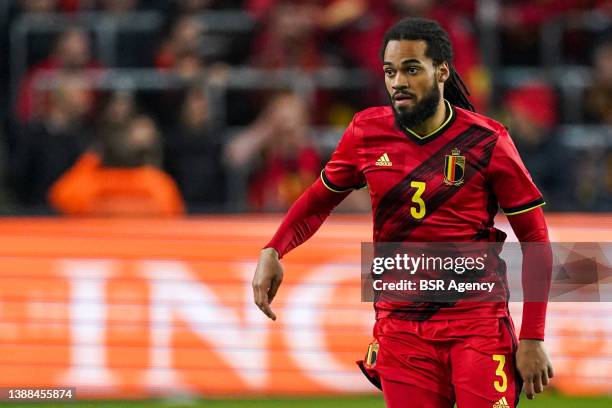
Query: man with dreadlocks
{"type": "Point", "coordinates": [432, 354]}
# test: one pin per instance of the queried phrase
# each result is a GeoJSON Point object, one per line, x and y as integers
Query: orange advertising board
{"type": "Point", "coordinates": [137, 308]}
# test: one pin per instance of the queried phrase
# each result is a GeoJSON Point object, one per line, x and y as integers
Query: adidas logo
{"type": "Point", "coordinates": [384, 161]}
{"type": "Point", "coordinates": [502, 403]}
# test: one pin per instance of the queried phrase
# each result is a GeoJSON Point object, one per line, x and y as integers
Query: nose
{"type": "Point", "coordinates": [400, 82]}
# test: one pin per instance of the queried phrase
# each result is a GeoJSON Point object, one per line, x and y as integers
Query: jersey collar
{"type": "Point", "coordinates": [415, 137]}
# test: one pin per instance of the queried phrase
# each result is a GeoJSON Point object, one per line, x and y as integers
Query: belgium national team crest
{"type": "Point", "coordinates": [454, 168]}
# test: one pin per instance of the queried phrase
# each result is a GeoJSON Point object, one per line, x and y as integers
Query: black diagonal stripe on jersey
{"type": "Point", "coordinates": [393, 205]}
{"type": "Point", "coordinates": [481, 163]}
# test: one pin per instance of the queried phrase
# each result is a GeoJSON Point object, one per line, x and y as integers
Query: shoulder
{"type": "Point", "coordinates": [373, 114]}
{"type": "Point", "coordinates": [372, 121]}
{"type": "Point", "coordinates": [470, 118]}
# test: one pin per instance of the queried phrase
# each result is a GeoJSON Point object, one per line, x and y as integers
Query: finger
{"type": "Point", "coordinates": [529, 388]}
{"type": "Point", "coordinates": [261, 299]}
{"type": "Point", "coordinates": [551, 372]}
{"type": "Point", "coordinates": [276, 282]}
{"type": "Point", "coordinates": [265, 307]}
{"type": "Point", "coordinates": [537, 383]}
{"type": "Point", "coordinates": [545, 377]}
{"type": "Point", "coordinates": [255, 293]}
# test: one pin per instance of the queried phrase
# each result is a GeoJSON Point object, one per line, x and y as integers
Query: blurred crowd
{"type": "Point", "coordinates": [180, 120]}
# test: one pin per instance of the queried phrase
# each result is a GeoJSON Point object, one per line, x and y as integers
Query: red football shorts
{"type": "Point", "coordinates": [435, 364]}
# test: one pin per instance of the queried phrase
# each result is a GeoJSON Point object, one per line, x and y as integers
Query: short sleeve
{"type": "Point", "coordinates": [511, 182]}
{"type": "Point", "coordinates": [341, 173]}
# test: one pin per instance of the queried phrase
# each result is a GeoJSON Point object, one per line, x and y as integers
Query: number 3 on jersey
{"type": "Point", "coordinates": [418, 211]}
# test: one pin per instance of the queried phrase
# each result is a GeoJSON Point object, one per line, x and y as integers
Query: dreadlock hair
{"type": "Point", "coordinates": [439, 49]}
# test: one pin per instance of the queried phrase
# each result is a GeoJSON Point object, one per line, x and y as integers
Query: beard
{"type": "Point", "coordinates": [422, 110]}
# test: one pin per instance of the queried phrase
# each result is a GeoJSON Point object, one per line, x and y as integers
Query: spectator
{"type": "Point", "coordinates": [182, 55]}
{"type": "Point", "coordinates": [520, 22]}
{"type": "Point", "coordinates": [279, 149]}
{"type": "Point", "coordinates": [529, 14]}
{"type": "Point", "coordinates": [360, 25]}
{"type": "Point", "coordinates": [194, 154]}
{"type": "Point", "coordinates": [49, 146]}
{"type": "Point", "coordinates": [124, 181]}
{"type": "Point", "coordinates": [599, 95]}
{"type": "Point", "coordinates": [184, 41]}
{"type": "Point", "coordinates": [70, 57]}
{"type": "Point", "coordinates": [290, 38]}
{"type": "Point", "coordinates": [116, 113]}
{"type": "Point", "coordinates": [596, 164]}
{"type": "Point", "coordinates": [531, 111]}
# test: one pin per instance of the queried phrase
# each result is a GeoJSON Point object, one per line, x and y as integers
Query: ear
{"type": "Point", "coordinates": [443, 72]}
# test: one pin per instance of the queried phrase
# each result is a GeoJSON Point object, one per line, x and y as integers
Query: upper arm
{"type": "Point", "coordinates": [511, 182]}
{"type": "Point", "coordinates": [342, 173]}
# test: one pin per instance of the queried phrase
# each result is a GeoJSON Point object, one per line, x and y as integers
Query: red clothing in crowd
{"type": "Point", "coordinates": [363, 42]}
{"type": "Point", "coordinates": [30, 102]}
{"type": "Point", "coordinates": [282, 180]}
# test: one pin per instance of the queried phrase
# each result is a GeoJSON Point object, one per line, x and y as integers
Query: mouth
{"type": "Point", "coordinates": [403, 99]}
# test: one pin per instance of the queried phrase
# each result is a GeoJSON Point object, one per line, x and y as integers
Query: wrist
{"type": "Point", "coordinates": [269, 251]}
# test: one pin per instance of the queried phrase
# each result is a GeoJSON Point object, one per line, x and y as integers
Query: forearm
{"type": "Point", "coordinates": [305, 217]}
{"type": "Point", "coordinates": [530, 228]}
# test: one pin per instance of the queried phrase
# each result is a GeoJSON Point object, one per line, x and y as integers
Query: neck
{"type": "Point", "coordinates": [432, 123]}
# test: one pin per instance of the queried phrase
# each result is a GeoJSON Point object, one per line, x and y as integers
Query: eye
{"type": "Point", "coordinates": [389, 72]}
{"type": "Point", "coordinates": [412, 70]}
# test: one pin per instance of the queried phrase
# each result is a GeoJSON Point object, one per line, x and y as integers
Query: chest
{"type": "Point", "coordinates": [401, 168]}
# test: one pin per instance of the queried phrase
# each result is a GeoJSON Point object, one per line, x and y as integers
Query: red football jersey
{"type": "Point", "coordinates": [446, 186]}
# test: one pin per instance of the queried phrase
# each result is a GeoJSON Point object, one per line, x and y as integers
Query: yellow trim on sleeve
{"type": "Point", "coordinates": [332, 189]}
{"type": "Point", "coordinates": [525, 210]}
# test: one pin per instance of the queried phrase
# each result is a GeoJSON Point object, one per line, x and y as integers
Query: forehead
{"type": "Point", "coordinates": [398, 50]}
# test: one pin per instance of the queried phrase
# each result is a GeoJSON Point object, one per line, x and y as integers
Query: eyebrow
{"type": "Point", "coordinates": [404, 62]}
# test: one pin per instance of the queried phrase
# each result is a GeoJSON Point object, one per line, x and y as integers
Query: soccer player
{"type": "Point", "coordinates": [436, 171]}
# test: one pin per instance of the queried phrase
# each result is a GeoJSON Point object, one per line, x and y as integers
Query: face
{"type": "Point", "coordinates": [187, 35]}
{"type": "Point", "coordinates": [120, 108]}
{"type": "Point", "coordinates": [414, 84]}
{"type": "Point", "coordinates": [73, 49]}
{"type": "Point", "coordinates": [603, 64]}
{"type": "Point", "coordinates": [142, 133]}
{"type": "Point", "coordinates": [293, 22]}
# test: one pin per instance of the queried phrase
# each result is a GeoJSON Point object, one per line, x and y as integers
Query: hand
{"type": "Point", "coordinates": [266, 281]}
{"type": "Point", "coordinates": [534, 366]}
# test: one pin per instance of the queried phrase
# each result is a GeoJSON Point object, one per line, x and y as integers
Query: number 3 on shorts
{"type": "Point", "coordinates": [500, 373]}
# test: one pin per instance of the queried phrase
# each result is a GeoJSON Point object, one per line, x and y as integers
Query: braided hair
{"type": "Point", "coordinates": [439, 49]}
